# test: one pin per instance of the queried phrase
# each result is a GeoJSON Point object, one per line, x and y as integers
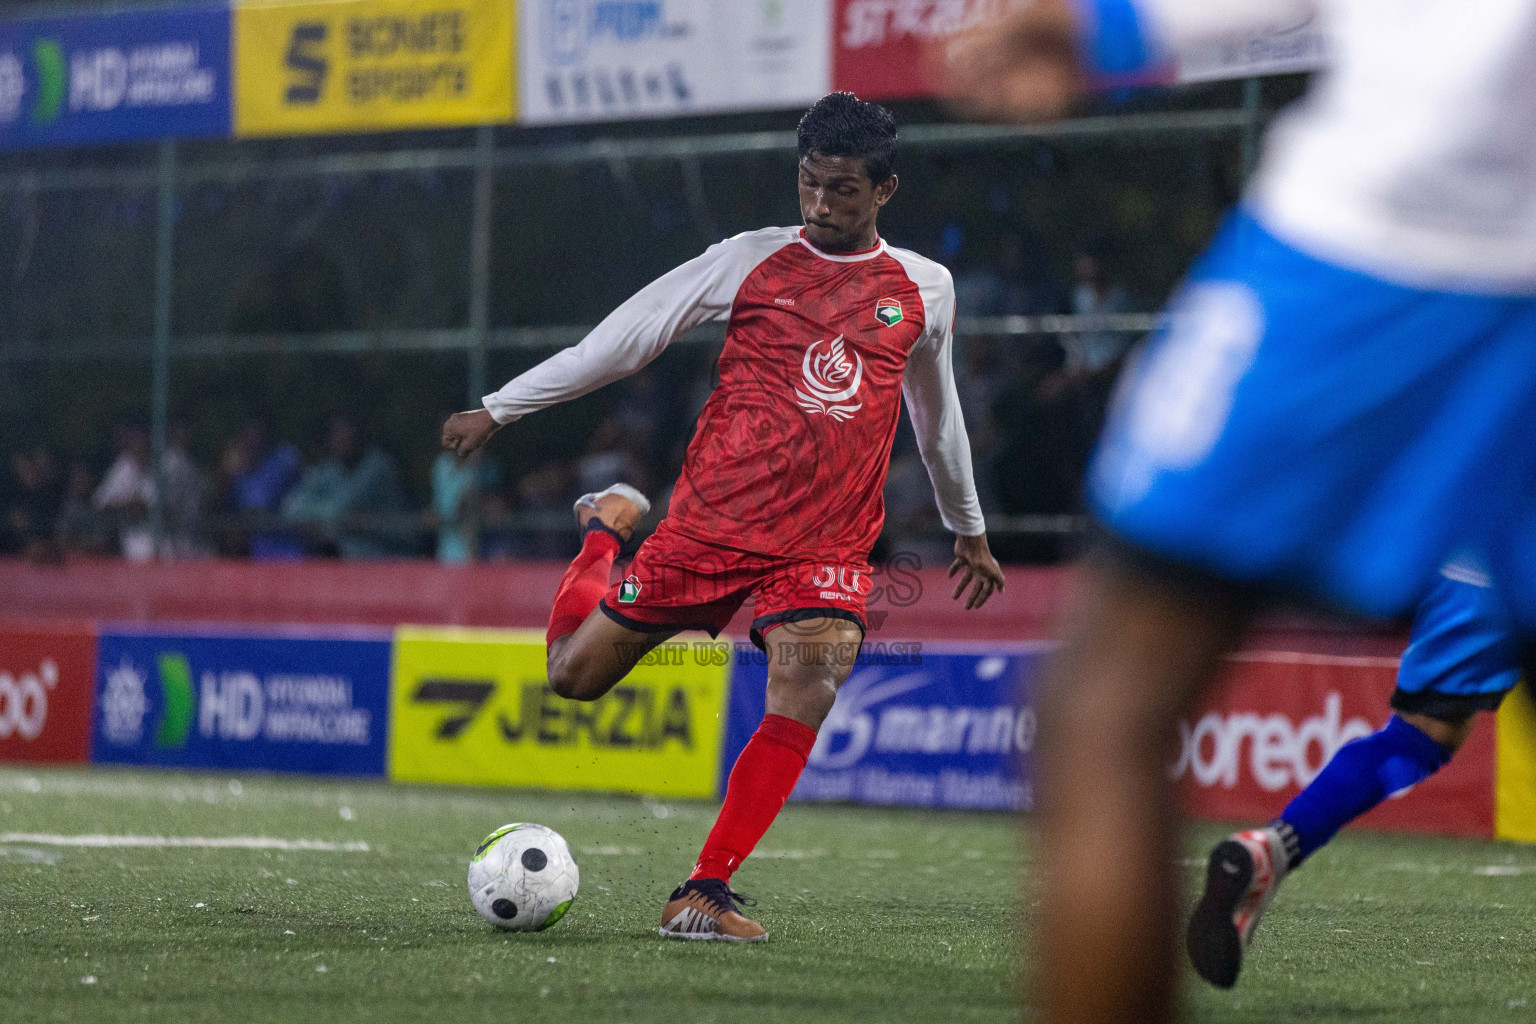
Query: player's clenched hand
{"type": "Point", "coordinates": [466, 432]}
{"type": "Point", "coordinates": [1022, 65]}
{"type": "Point", "coordinates": [982, 574]}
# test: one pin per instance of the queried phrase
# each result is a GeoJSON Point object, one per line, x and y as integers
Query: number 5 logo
{"type": "Point", "coordinates": [306, 59]}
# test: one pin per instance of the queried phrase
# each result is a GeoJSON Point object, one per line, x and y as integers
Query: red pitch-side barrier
{"type": "Point", "coordinates": [904, 605]}
{"type": "Point", "coordinates": [389, 593]}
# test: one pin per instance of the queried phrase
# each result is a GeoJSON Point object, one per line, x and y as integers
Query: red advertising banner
{"type": "Point", "coordinates": [880, 47]}
{"type": "Point", "coordinates": [47, 688]}
{"type": "Point", "coordinates": [1278, 717]}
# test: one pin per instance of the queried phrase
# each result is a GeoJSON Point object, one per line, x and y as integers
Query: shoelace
{"type": "Point", "coordinates": [719, 897]}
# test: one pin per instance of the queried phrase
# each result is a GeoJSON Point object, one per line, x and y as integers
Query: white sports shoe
{"type": "Point", "coordinates": [1243, 875]}
{"type": "Point", "coordinates": [619, 508]}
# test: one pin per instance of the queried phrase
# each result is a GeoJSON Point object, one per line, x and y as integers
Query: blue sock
{"type": "Point", "coordinates": [1361, 775]}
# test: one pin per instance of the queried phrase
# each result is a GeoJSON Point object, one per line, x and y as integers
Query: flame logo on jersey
{"type": "Point", "coordinates": [830, 380]}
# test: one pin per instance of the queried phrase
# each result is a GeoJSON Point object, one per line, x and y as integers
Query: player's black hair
{"type": "Point", "coordinates": [841, 124]}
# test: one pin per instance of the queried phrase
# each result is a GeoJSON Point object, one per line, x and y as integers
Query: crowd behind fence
{"type": "Point", "coordinates": [1032, 411]}
{"type": "Point", "coordinates": [309, 318]}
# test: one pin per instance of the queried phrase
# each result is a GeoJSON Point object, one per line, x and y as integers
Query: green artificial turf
{"type": "Point", "coordinates": [875, 915]}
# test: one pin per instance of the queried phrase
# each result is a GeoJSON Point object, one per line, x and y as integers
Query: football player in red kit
{"type": "Point", "coordinates": [780, 493]}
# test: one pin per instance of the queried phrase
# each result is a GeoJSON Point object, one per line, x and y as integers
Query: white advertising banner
{"type": "Point", "coordinates": [595, 60]}
{"type": "Point", "coordinates": [1295, 46]}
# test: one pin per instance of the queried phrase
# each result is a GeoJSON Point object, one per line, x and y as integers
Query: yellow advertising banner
{"type": "Point", "coordinates": [473, 707]}
{"type": "Point", "coordinates": [1515, 784]}
{"type": "Point", "coordinates": [315, 66]}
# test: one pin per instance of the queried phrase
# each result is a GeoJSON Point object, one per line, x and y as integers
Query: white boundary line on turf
{"type": "Point", "coordinates": [199, 842]}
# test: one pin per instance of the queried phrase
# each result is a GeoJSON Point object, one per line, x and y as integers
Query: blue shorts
{"type": "Point", "coordinates": [1308, 427]}
{"type": "Point", "coordinates": [1463, 655]}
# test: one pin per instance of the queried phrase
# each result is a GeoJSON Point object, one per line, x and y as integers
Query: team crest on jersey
{"type": "Point", "coordinates": [888, 312]}
{"type": "Point", "coordinates": [629, 590]}
{"type": "Point", "coordinates": [830, 379]}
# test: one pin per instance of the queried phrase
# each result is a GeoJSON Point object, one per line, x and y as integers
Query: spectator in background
{"type": "Point", "coordinates": [544, 497]}
{"type": "Point", "coordinates": [187, 492]}
{"type": "Point", "coordinates": [79, 528]}
{"type": "Point", "coordinates": [981, 376]}
{"type": "Point", "coordinates": [1093, 295]}
{"type": "Point", "coordinates": [257, 475]}
{"type": "Point", "coordinates": [1004, 278]}
{"type": "Point", "coordinates": [912, 526]}
{"type": "Point", "coordinates": [34, 502]}
{"type": "Point", "coordinates": [352, 484]}
{"type": "Point", "coordinates": [457, 488]}
{"type": "Point", "coordinates": [638, 407]}
{"type": "Point", "coordinates": [498, 540]}
{"type": "Point", "coordinates": [1030, 477]}
{"type": "Point", "coordinates": [979, 283]}
{"type": "Point", "coordinates": [610, 456]}
{"type": "Point", "coordinates": [127, 492]}
{"type": "Point", "coordinates": [1027, 289]}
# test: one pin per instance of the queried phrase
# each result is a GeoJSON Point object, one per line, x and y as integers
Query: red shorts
{"type": "Point", "coordinates": [677, 583]}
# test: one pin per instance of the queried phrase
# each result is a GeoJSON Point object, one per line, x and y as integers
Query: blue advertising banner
{"type": "Point", "coordinates": [928, 725]}
{"type": "Point", "coordinates": [114, 77]}
{"type": "Point", "coordinates": [275, 700]}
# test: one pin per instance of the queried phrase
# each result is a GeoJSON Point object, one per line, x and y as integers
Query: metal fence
{"type": "Point", "coordinates": [171, 173]}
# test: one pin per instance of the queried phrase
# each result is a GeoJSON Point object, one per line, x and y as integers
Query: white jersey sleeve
{"type": "Point", "coordinates": [934, 403]}
{"type": "Point", "coordinates": [698, 292]}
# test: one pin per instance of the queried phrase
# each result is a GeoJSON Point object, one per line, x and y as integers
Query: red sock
{"type": "Point", "coordinates": [583, 584]}
{"type": "Point", "coordinates": [761, 781]}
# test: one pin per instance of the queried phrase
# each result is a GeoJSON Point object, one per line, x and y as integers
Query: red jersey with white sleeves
{"type": "Point", "coordinates": [790, 455]}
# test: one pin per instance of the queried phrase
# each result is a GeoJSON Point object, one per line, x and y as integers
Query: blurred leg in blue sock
{"type": "Point", "coordinates": [1361, 775]}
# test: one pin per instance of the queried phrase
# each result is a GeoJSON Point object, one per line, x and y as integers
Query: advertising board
{"type": "Point", "coordinates": [584, 60]}
{"type": "Point", "coordinates": [886, 49]}
{"type": "Point", "coordinates": [952, 726]}
{"type": "Point", "coordinates": [1515, 779]}
{"type": "Point", "coordinates": [926, 725]}
{"type": "Point", "coordinates": [277, 700]}
{"type": "Point", "coordinates": [882, 48]}
{"type": "Point", "coordinates": [47, 686]}
{"type": "Point", "coordinates": [105, 78]}
{"type": "Point", "coordinates": [1287, 46]}
{"type": "Point", "coordinates": [474, 707]}
{"type": "Point", "coordinates": [366, 65]}
{"type": "Point", "coordinates": [1278, 717]}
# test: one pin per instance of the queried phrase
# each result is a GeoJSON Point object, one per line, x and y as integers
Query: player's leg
{"type": "Point", "coordinates": [1245, 870]}
{"type": "Point", "coordinates": [588, 653]}
{"type": "Point", "coordinates": [586, 664]}
{"type": "Point", "coordinates": [1139, 647]}
{"type": "Point", "coordinates": [809, 659]}
{"type": "Point", "coordinates": [1462, 658]}
{"type": "Point", "coordinates": [1298, 424]}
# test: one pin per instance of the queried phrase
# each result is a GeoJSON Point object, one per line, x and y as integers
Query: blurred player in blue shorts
{"type": "Point", "coordinates": [1340, 401]}
{"type": "Point", "coordinates": [1463, 657]}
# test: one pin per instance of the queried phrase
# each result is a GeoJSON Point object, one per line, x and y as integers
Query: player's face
{"type": "Point", "coordinates": [839, 203]}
